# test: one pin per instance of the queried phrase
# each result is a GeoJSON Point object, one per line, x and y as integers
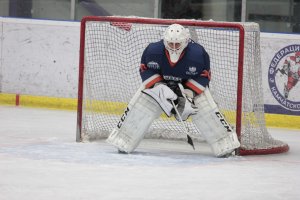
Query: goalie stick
{"type": "Point", "coordinates": [189, 139]}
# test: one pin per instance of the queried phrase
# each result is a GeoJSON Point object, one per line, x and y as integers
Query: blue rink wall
{"type": "Point", "coordinates": [39, 68]}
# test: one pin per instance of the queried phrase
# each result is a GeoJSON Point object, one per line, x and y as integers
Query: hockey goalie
{"type": "Point", "coordinates": [175, 72]}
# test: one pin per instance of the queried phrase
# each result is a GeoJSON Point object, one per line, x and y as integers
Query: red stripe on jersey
{"type": "Point", "coordinates": [156, 80]}
{"type": "Point", "coordinates": [168, 56]}
{"type": "Point", "coordinates": [194, 88]}
{"type": "Point", "coordinates": [143, 67]}
{"type": "Point", "coordinates": [205, 73]}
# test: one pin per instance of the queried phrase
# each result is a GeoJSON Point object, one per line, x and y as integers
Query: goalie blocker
{"type": "Point", "coordinates": [146, 108]}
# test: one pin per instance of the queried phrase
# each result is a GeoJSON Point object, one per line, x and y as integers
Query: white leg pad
{"type": "Point", "coordinates": [213, 126]}
{"type": "Point", "coordinates": [226, 145]}
{"type": "Point", "coordinates": [134, 123]}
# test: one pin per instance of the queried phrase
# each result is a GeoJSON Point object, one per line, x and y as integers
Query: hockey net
{"type": "Point", "coordinates": [110, 54]}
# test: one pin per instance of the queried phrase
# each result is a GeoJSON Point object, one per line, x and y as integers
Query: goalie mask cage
{"type": "Point", "coordinates": [110, 54]}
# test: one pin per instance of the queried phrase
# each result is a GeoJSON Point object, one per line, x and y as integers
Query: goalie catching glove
{"type": "Point", "coordinates": [185, 103]}
{"type": "Point", "coordinates": [185, 109]}
{"type": "Point", "coordinates": [163, 94]}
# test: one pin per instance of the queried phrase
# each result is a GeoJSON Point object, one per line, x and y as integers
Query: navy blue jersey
{"type": "Point", "coordinates": [192, 69]}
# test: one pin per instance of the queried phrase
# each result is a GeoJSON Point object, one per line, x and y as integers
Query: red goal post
{"type": "Point", "coordinates": [110, 52]}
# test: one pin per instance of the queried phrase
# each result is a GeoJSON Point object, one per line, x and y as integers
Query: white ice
{"type": "Point", "coordinates": [40, 160]}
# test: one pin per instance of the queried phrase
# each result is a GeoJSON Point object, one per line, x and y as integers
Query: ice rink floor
{"type": "Point", "coordinates": [40, 160]}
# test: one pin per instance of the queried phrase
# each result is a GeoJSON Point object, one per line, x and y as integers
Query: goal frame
{"type": "Point", "coordinates": [211, 24]}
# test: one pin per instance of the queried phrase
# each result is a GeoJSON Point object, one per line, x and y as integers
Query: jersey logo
{"type": "Point", "coordinates": [153, 65]}
{"type": "Point", "coordinates": [192, 71]}
{"type": "Point", "coordinates": [172, 78]}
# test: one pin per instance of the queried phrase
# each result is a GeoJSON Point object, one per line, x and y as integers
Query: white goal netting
{"type": "Point", "coordinates": [111, 49]}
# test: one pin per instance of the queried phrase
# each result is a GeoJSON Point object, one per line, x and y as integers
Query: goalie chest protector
{"type": "Point", "coordinates": [190, 66]}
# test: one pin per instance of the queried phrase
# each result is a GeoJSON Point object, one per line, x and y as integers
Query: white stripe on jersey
{"type": "Point", "coordinates": [196, 84]}
{"type": "Point", "coordinates": [151, 78]}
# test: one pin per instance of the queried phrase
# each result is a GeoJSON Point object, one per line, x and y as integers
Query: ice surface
{"type": "Point", "coordinates": [39, 159]}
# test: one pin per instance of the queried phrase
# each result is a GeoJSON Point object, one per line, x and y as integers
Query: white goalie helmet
{"type": "Point", "coordinates": [176, 38]}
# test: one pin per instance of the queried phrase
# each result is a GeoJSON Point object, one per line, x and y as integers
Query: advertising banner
{"type": "Point", "coordinates": [281, 73]}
